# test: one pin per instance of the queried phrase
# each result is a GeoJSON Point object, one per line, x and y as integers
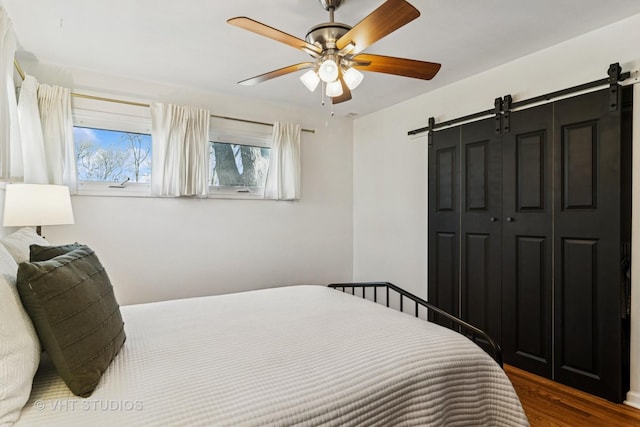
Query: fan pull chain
{"type": "Point", "coordinates": [331, 112]}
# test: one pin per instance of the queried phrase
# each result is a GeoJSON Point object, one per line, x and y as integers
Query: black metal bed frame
{"type": "Point", "coordinates": [459, 325]}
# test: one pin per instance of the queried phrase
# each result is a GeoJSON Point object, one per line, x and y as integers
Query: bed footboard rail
{"type": "Point", "coordinates": [473, 333]}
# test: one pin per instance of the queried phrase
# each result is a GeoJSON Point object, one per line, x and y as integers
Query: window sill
{"type": "Point", "coordinates": [222, 192]}
{"type": "Point", "coordinates": [105, 189]}
{"type": "Point", "coordinates": [111, 189]}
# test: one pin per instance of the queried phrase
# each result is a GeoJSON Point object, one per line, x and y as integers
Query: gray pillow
{"type": "Point", "coordinates": [44, 253]}
{"type": "Point", "coordinates": [71, 303]}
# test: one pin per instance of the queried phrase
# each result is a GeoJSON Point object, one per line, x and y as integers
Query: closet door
{"type": "Point", "coordinates": [587, 181]}
{"type": "Point", "coordinates": [480, 226]}
{"type": "Point", "coordinates": [444, 221]}
{"type": "Point", "coordinates": [527, 240]}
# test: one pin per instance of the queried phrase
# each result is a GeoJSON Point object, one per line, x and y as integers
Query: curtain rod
{"type": "Point", "coordinates": [140, 104]}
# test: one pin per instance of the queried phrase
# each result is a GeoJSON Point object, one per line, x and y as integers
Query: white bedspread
{"type": "Point", "coordinates": [303, 355]}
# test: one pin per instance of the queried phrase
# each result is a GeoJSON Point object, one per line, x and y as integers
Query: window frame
{"type": "Point", "coordinates": [98, 114]}
{"type": "Point", "coordinates": [240, 191]}
{"type": "Point", "coordinates": [120, 117]}
{"type": "Point", "coordinates": [236, 132]}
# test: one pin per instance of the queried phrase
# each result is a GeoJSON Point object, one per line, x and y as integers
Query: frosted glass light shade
{"type": "Point", "coordinates": [352, 78]}
{"type": "Point", "coordinates": [334, 89]}
{"type": "Point", "coordinates": [310, 79]}
{"type": "Point", "coordinates": [34, 205]}
{"type": "Point", "coordinates": [328, 71]}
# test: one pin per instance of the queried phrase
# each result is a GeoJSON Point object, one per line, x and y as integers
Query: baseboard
{"type": "Point", "coordinates": [633, 399]}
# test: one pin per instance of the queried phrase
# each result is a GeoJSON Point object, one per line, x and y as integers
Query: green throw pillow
{"type": "Point", "coordinates": [71, 303]}
{"type": "Point", "coordinates": [44, 253]}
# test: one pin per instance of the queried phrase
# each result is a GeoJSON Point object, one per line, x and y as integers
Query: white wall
{"type": "Point", "coordinates": [633, 397]}
{"type": "Point", "coordinates": [390, 171]}
{"type": "Point", "coordinates": [3, 231]}
{"type": "Point", "coordinates": [164, 248]}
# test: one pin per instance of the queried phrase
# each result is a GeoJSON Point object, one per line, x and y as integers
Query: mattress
{"type": "Point", "coordinates": [300, 355]}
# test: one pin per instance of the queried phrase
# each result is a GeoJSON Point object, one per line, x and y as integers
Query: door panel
{"type": "Point", "coordinates": [531, 333]}
{"type": "Point", "coordinates": [446, 272]}
{"type": "Point", "coordinates": [587, 248]}
{"type": "Point", "coordinates": [530, 169]}
{"type": "Point", "coordinates": [476, 176]}
{"type": "Point", "coordinates": [527, 241]}
{"type": "Point", "coordinates": [480, 211]}
{"type": "Point", "coordinates": [578, 307]}
{"type": "Point", "coordinates": [446, 169]}
{"type": "Point", "coordinates": [476, 250]}
{"type": "Point", "coordinates": [444, 222]}
{"type": "Point", "coordinates": [579, 168]}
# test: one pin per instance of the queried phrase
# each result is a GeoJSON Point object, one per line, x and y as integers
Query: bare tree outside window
{"type": "Point", "coordinates": [140, 153]}
{"type": "Point", "coordinates": [112, 156]}
{"type": "Point", "coordinates": [238, 165]}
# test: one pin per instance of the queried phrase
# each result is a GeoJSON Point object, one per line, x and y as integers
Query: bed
{"type": "Point", "coordinates": [299, 355]}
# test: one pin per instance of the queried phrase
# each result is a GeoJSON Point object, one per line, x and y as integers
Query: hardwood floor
{"type": "Point", "coordinates": [548, 403]}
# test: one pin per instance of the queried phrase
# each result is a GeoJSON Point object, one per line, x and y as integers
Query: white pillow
{"type": "Point", "coordinates": [8, 265]}
{"type": "Point", "coordinates": [18, 243]}
{"type": "Point", "coordinates": [19, 345]}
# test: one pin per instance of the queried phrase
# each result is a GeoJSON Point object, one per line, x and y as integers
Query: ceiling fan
{"type": "Point", "coordinates": [337, 49]}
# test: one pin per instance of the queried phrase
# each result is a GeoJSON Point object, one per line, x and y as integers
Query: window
{"type": "Point", "coordinates": [113, 143]}
{"type": "Point", "coordinates": [238, 158]}
{"type": "Point", "coordinates": [242, 168]}
{"type": "Point", "coordinates": [113, 156]}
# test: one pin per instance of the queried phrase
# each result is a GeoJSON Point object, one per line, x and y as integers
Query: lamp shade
{"type": "Point", "coordinates": [334, 89]}
{"type": "Point", "coordinates": [328, 71]}
{"type": "Point", "coordinates": [310, 79]}
{"type": "Point", "coordinates": [352, 78]}
{"type": "Point", "coordinates": [35, 205]}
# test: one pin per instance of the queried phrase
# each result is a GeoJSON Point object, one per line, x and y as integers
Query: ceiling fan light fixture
{"type": "Point", "coordinates": [336, 48]}
{"type": "Point", "coordinates": [310, 79]}
{"type": "Point", "coordinates": [352, 78]}
{"type": "Point", "coordinates": [328, 71]}
{"type": "Point", "coordinates": [334, 89]}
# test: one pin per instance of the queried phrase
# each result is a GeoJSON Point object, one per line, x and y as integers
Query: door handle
{"type": "Point", "coordinates": [509, 219]}
{"type": "Point", "coordinates": [493, 219]}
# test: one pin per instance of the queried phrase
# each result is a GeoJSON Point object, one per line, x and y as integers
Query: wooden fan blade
{"type": "Point", "coordinates": [387, 18]}
{"type": "Point", "coordinates": [276, 73]}
{"type": "Point", "coordinates": [398, 66]}
{"type": "Point", "coordinates": [274, 34]}
{"type": "Point", "coordinates": [346, 93]}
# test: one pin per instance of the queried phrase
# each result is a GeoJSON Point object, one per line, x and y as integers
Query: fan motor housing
{"type": "Point", "coordinates": [328, 4]}
{"type": "Point", "coordinates": [326, 34]}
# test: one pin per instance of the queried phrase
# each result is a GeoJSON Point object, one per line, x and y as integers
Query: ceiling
{"type": "Point", "coordinates": [189, 44]}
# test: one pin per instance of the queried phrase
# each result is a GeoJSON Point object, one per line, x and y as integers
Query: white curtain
{"type": "Point", "coordinates": [54, 103]}
{"type": "Point", "coordinates": [283, 177]}
{"type": "Point", "coordinates": [45, 152]}
{"type": "Point", "coordinates": [34, 162]}
{"type": "Point", "coordinates": [9, 128]}
{"type": "Point", "coordinates": [28, 152]}
{"type": "Point", "coordinates": [180, 139]}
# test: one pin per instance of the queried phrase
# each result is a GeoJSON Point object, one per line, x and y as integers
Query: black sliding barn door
{"type": "Point", "coordinates": [527, 233]}
{"type": "Point", "coordinates": [527, 240]}
{"type": "Point", "coordinates": [464, 224]}
{"type": "Point", "coordinates": [480, 226]}
{"type": "Point", "coordinates": [587, 243]}
{"type": "Point", "coordinates": [444, 221]}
